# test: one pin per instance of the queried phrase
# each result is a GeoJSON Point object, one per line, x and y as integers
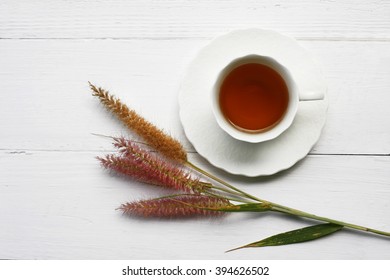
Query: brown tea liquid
{"type": "Point", "coordinates": [253, 97]}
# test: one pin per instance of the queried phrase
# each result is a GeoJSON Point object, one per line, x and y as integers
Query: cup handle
{"type": "Point", "coordinates": [311, 95]}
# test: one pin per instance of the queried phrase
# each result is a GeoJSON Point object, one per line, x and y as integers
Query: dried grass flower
{"type": "Point", "coordinates": [143, 165]}
{"type": "Point", "coordinates": [155, 137]}
{"type": "Point", "coordinates": [178, 206]}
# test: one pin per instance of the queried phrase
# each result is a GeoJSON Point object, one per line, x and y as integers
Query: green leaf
{"type": "Point", "coordinates": [295, 236]}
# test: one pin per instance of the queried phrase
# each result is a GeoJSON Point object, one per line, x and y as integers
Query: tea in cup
{"type": "Point", "coordinates": [255, 98]}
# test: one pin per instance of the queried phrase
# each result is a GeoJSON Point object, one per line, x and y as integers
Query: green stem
{"type": "Point", "coordinates": [295, 212]}
{"type": "Point", "coordinates": [238, 191]}
{"type": "Point", "coordinates": [284, 209]}
{"type": "Point", "coordinates": [225, 197]}
{"type": "Point", "coordinates": [227, 193]}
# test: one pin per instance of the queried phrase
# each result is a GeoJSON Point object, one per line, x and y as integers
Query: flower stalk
{"type": "Point", "coordinates": [200, 198]}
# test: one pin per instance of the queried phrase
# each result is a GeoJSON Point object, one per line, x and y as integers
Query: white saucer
{"type": "Point", "coordinates": [235, 156]}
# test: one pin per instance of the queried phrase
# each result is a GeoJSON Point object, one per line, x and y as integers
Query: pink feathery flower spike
{"type": "Point", "coordinates": [127, 167]}
{"type": "Point", "coordinates": [185, 205]}
{"type": "Point", "coordinates": [144, 166]}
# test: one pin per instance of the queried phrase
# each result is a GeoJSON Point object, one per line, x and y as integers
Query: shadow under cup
{"type": "Point", "coordinates": [254, 98]}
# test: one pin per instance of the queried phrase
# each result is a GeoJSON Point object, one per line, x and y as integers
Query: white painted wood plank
{"type": "Point", "coordinates": [203, 18]}
{"type": "Point", "coordinates": [61, 205]}
{"type": "Point", "coordinates": [45, 103]}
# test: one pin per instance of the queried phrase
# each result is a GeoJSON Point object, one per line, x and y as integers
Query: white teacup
{"type": "Point", "coordinates": [294, 96]}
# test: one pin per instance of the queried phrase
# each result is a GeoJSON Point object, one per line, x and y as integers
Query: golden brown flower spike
{"type": "Point", "coordinates": [155, 137]}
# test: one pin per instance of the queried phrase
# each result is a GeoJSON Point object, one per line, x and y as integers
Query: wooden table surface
{"type": "Point", "coordinates": [56, 202]}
